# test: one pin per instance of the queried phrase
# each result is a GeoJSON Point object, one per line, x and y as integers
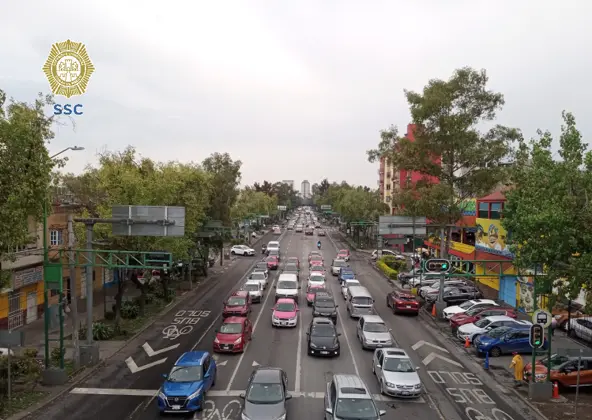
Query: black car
{"type": "Point", "coordinates": [324, 305]}
{"type": "Point", "coordinates": [323, 338]}
{"type": "Point", "coordinates": [266, 395]}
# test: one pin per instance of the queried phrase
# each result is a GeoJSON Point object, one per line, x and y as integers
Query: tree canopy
{"type": "Point", "coordinates": [225, 180]}
{"type": "Point", "coordinates": [353, 203]}
{"type": "Point", "coordinates": [457, 161]}
{"type": "Point", "coordinates": [548, 211]}
{"type": "Point", "coordinates": [285, 195]}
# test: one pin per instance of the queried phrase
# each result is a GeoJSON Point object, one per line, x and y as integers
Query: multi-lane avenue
{"type": "Point", "coordinates": [125, 387]}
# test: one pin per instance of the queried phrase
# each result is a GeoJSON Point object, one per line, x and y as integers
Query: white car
{"type": "Point", "coordinates": [484, 325]}
{"type": "Point", "coordinates": [315, 279]}
{"type": "Point", "coordinates": [259, 276]}
{"type": "Point", "coordinates": [396, 374]}
{"type": "Point", "coordinates": [255, 289]}
{"type": "Point", "coordinates": [346, 285]}
{"type": "Point", "coordinates": [389, 253]}
{"type": "Point", "coordinates": [273, 246]}
{"type": "Point", "coordinates": [242, 250]}
{"type": "Point", "coordinates": [465, 306]}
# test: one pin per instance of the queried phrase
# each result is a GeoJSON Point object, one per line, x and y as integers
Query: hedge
{"type": "Point", "coordinates": [388, 271]}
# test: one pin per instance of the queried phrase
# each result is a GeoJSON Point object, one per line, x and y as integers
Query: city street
{"type": "Point", "coordinates": [454, 389]}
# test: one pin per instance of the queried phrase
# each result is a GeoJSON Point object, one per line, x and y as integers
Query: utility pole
{"type": "Point", "coordinates": [73, 292]}
{"type": "Point", "coordinates": [89, 286]}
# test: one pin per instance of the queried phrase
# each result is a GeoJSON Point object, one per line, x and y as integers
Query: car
{"type": "Point", "coordinates": [484, 325]}
{"type": "Point", "coordinates": [299, 228]}
{"type": "Point", "coordinates": [401, 302]}
{"type": "Point", "coordinates": [396, 374]}
{"type": "Point", "coordinates": [255, 289]}
{"type": "Point", "coordinates": [387, 252]}
{"type": "Point", "coordinates": [238, 304]}
{"type": "Point", "coordinates": [348, 397]}
{"type": "Point", "coordinates": [454, 295]}
{"type": "Point", "coordinates": [345, 273]}
{"type": "Point", "coordinates": [345, 286]}
{"type": "Point", "coordinates": [285, 313]}
{"type": "Point", "coordinates": [564, 370]}
{"type": "Point", "coordinates": [287, 287]}
{"type": "Point", "coordinates": [260, 276]}
{"type": "Point", "coordinates": [324, 305]}
{"type": "Point", "coordinates": [312, 254]}
{"type": "Point", "coordinates": [291, 268]}
{"type": "Point", "coordinates": [323, 338]}
{"type": "Point", "coordinates": [277, 230]}
{"type": "Point", "coordinates": [274, 253]}
{"type": "Point", "coordinates": [321, 232]}
{"type": "Point", "coordinates": [505, 340]}
{"type": "Point", "coordinates": [273, 262]}
{"type": "Point", "coordinates": [470, 304]}
{"type": "Point", "coordinates": [424, 279]}
{"type": "Point", "coordinates": [317, 269]}
{"type": "Point", "coordinates": [476, 314]}
{"type": "Point", "coordinates": [293, 260]}
{"type": "Point", "coordinates": [261, 266]}
{"type": "Point", "coordinates": [312, 290]}
{"type": "Point", "coordinates": [233, 335]}
{"type": "Point", "coordinates": [273, 246]}
{"type": "Point", "coordinates": [266, 394]}
{"type": "Point", "coordinates": [242, 250]}
{"type": "Point", "coordinates": [290, 227]}
{"type": "Point", "coordinates": [414, 272]}
{"type": "Point", "coordinates": [435, 288]}
{"type": "Point", "coordinates": [343, 254]}
{"type": "Point", "coordinates": [336, 265]}
{"type": "Point", "coordinates": [316, 278]}
{"type": "Point", "coordinates": [185, 386]}
{"type": "Point", "coordinates": [309, 231]}
{"type": "Point", "coordinates": [373, 332]}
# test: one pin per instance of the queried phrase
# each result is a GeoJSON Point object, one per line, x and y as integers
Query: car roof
{"type": "Point", "coordinates": [285, 300]}
{"type": "Point", "coordinates": [490, 301]}
{"type": "Point", "coordinates": [293, 258]}
{"type": "Point", "coordinates": [404, 294]}
{"type": "Point", "coordinates": [234, 320]}
{"type": "Point", "coordinates": [240, 293]}
{"type": "Point", "coordinates": [495, 318]}
{"type": "Point", "coordinates": [351, 386]}
{"type": "Point", "coordinates": [324, 295]}
{"type": "Point", "coordinates": [288, 277]}
{"type": "Point", "coordinates": [267, 375]}
{"type": "Point", "coordinates": [192, 358]}
{"type": "Point", "coordinates": [394, 352]}
{"type": "Point", "coordinates": [252, 282]}
{"type": "Point", "coordinates": [373, 318]}
{"type": "Point", "coordinates": [338, 259]}
{"type": "Point", "coordinates": [320, 320]}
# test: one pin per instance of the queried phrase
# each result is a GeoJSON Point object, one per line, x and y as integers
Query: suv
{"type": "Point", "coordinates": [324, 305]}
{"type": "Point", "coordinates": [347, 397]}
{"type": "Point", "coordinates": [266, 395]}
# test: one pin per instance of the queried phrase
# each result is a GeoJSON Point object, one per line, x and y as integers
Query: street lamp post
{"type": "Point", "coordinates": [45, 291]}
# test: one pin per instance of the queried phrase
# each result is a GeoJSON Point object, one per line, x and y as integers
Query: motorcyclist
{"type": "Point", "coordinates": [319, 244]}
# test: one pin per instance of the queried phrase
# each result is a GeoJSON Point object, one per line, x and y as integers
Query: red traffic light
{"type": "Point", "coordinates": [438, 265]}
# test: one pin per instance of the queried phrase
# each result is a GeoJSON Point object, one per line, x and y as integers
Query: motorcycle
{"type": "Point", "coordinates": [319, 245]}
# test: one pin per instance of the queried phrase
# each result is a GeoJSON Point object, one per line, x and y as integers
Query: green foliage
{"type": "Point", "coordinates": [386, 269]}
{"type": "Point", "coordinates": [31, 352]}
{"type": "Point", "coordinates": [56, 355]}
{"type": "Point", "coordinates": [225, 177]}
{"type": "Point", "coordinates": [101, 332]}
{"type": "Point", "coordinates": [25, 170]}
{"type": "Point", "coordinates": [393, 263]}
{"type": "Point", "coordinates": [283, 193]}
{"type": "Point", "coordinates": [130, 310]}
{"type": "Point", "coordinates": [23, 369]}
{"type": "Point", "coordinates": [252, 203]}
{"type": "Point", "coordinates": [548, 213]}
{"type": "Point", "coordinates": [448, 146]}
{"type": "Point", "coordinates": [351, 202]}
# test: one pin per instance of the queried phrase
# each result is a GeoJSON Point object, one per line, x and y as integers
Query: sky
{"type": "Point", "coordinates": [295, 90]}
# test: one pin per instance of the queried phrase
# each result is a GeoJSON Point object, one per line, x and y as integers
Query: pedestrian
{"type": "Point", "coordinates": [518, 366]}
{"type": "Point", "coordinates": [553, 326]}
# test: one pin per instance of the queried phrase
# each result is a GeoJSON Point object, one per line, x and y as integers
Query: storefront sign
{"type": "Point", "coordinates": [23, 278]}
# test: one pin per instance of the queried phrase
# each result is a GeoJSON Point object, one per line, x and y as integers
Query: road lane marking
{"type": "Point", "coordinates": [220, 394]}
{"type": "Point", "coordinates": [134, 368]}
{"type": "Point", "coordinates": [299, 349]}
{"type": "Point", "coordinates": [151, 352]}
{"type": "Point", "coordinates": [422, 343]}
{"type": "Point", "coordinates": [433, 356]}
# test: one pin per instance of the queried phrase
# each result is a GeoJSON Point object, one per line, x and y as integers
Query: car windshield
{"type": "Point", "coordinates": [291, 267]}
{"type": "Point", "coordinates": [185, 374]}
{"type": "Point", "coordinates": [271, 259]}
{"type": "Point", "coordinates": [355, 408]}
{"type": "Point", "coordinates": [482, 323]}
{"type": "Point", "coordinates": [474, 311]}
{"type": "Point", "coordinates": [498, 332]}
{"type": "Point", "coordinates": [556, 360]}
{"type": "Point", "coordinates": [287, 284]}
{"type": "Point", "coordinates": [375, 327]}
{"type": "Point", "coordinates": [338, 263]}
{"type": "Point", "coordinates": [251, 287]}
{"type": "Point", "coordinates": [318, 279]}
{"type": "Point", "coordinates": [325, 303]}
{"type": "Point", "coordinates": [395, 364]}
{"type": "Point", "coordinates": [236, 301]}
{"type": "Point", "coordinates": [314, 290]}
{"type": "Point", "coordinates": [293, 260]}
{"type": "Point", "coordinates": [258, 276]}
{"type": "Point", "coordinates": [466, 305]}
{"type": "Point", "coordinates": [231, 328]}
{"type": "Point", "coordinates": [405, 297]}
{"type": "Point", "coordinates": [274, 252]}
{"type": "Point", "coordinates": [361, 300]}
{"type": "Point", "coordinates": [262, 265]}
{"type": "Point", "coordinates": [265, 394]}
{"type": "Point", "coordinates": [285, 307]}
{"type": "Point", "coordinates": [322, 331]}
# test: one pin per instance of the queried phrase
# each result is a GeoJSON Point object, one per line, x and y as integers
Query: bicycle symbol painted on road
{"type": "Point", "coordinates": [231, 411]}
{"type": "Point", "coordinates": [172, 332]}
{"type": "Point", "coordinates": [474, 414]}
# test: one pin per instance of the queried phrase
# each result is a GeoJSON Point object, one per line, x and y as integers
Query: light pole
{"type": "Point", "coordinates": [45, 291]}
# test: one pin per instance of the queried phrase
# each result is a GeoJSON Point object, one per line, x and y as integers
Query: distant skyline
{"type": "Point", "coordinates": [295, 90]}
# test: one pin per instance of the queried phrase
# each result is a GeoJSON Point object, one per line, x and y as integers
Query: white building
{"type": "Point", "coordinates": [305, 189]}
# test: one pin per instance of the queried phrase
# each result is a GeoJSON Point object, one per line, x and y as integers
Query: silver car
{"type": "Point", "coordinates": [266, 394]}
{"type": "Point", "coordinates": [395, 373]}
{"type": "Point", "coordinates": [255, 289]}
{"type": "Point", "coordinates": [336, 266]}
{"type": "Point", "coordinates": [373, 333]}
{"type": "Point", "coordinates": [348, 397]}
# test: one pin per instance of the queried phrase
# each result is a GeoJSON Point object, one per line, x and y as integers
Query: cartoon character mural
{"type": "Point", "coordinates": [526, 299]}
{"type": "Point", "coordinates": [493, 240]}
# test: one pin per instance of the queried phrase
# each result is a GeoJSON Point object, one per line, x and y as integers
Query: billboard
{"type": "Point", "coordinates": [492, 237]}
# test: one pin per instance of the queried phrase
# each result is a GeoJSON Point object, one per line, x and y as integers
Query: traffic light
{"type": "Point", "coordinates": [536, 336]}
{"type": "Point", "coordinates": [438, 266]}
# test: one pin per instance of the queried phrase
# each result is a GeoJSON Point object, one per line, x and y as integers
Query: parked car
{"type": "Point", "coordinates": [242, 250]}
{"type": "Point", "coordinates": [323, 338]}
{"type": "Point", "coordinates": [505, 340]}
{"type": "Point", "coordinates": [425, 279]}
{"type": "Point", "coordinates": [401, 302]}
{"type": "Point", "coordinates": [233, 335]}
{"type": "Point", "coordinates": [238, 304]}
{"type": "Point", "coordinates": [388, 252]}
{"type": "Point", "coordinates": [454, 295]}
{"type": "Point", "coordinates": [471, 304]}
{"type": "Point", "coordinates": [266, 394]}
{"type": "Point", "coordinates": [581, 328]}
{"type": "Point", "coordinates": [476, 314]}
{"type": "Point", "coordinates": [435, 288]}
{"type": "Point", "coordinates": [560, 365]}
{"type": "Point", "coordinates": [484, 325]}
{"type": "Point", "coordinates": [414, 272]}
{"type": "Point", "coordinates": [396, 374]}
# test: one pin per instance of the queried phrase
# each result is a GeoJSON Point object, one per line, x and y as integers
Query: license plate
{"type": "Point", "coordinates": [324, 352]}
{"type": "Point", "coordinates": [379, 345]}
{"type": "Point", "coordinates": [284, 323]}
{"type": "Point", "coordinates": [408, 306]}
{"type": "Point", "coordinates": [226, 347]}
{"type": "Point", "coordinates": [405, 393]}
{"type": "Point", "coordinates": [176, 407]}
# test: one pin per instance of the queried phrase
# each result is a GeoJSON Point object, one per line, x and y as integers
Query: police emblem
{"type": "Point", "coordinates": [68, 68]}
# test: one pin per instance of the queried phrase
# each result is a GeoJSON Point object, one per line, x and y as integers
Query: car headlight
{"type": "Point", "coordinates": [315, 313]}
{"type": "Point", "coordinates": [313, 345]}
{"type": "Point", "coordinates": [162, 395]}
{"type": "Point", "coordinates": [238, 340]}
{"type": "Point", "coordinates": [334, 313]}
{"type": "Point", "coordinates": [216, 340]}
{"type": "Point", "coordinates": [282, 417]}
{"type": "Point", "coordinates": [418, 386]}
{"type": "Point", "coordinates": [390, 384]}
{"type": "Point", "coordinates": [196, 394]}
{"type": "Point", "coordinates": [244, 417]}
{"type": "Point", "coordinates": [275, 318]}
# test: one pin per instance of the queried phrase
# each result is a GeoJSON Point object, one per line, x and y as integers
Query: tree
{"type": "Point", "coordinates": [320, 189]}
{"type": "Point", "coordinates": [450, 152]}
{"type": "Point", "coordinates": [266, 187]}
{"type": "Point", "coordinates": [25, 171]}
{"type": "Point", "coordinates": [225, 180]}
{"type": "Point", "coordinates": [548, 211]}
{"type": "Point", "coordinates": [126, 178]}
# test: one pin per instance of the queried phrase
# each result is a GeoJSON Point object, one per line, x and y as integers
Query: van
{"type": "Point", "coordinates": [359, 302]}
{"type": "Point", "coordinates": [287, 287]}
{"type": "Point", "coordinates": [273, 246]}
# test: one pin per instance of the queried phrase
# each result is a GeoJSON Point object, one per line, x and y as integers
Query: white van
{"type": "Point", "coordinates": [359, 302]}
{"type": "Point", "coordinates": [287, 287]}
{"type": "Point", "coordinates": [273, 246]}
{"type": "Point", "coordinates": [277, 230]}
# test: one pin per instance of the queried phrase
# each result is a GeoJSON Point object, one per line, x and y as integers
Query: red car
{"type": "Point", "coordinates": [474, 315]}
{"type": "Point", "coordinates": [293, 260]}
{"type": "Point", "coordinates": [233, 335]}
{"type": "Point", "coordinates": [318, 267]}
{"type": "Point", "coordinates": [315, 255]}
{"type": "Point", "coordinates": [401, 302]}
{"type": "Point", "coordinates": [312, 291]}
{"type": "Point", "coordinates": [272, 262]}
{"type": "Point", "coordinates": [343, 254]}
{"type": "Point", "coordinates": [239, 304]}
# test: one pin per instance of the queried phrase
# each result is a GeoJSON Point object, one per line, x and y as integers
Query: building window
{"type": "Point", "coordinates": [483, 211]}
{"type": "Point", "coordinates": [496, 211]}
{"type": "Point", "coordinates": [55, 238]}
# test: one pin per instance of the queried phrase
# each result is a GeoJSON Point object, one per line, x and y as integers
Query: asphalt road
{"type": "Point", "coordinates": [455, 389]}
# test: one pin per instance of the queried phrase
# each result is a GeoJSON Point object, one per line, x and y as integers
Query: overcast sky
{"type": "Point", "coordinates": [295, 89]}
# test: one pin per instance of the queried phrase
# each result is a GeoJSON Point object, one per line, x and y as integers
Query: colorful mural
{"type": "Point", "coordinates": [491, 237]}
{"type": "Point", "coordinates": [469, 207]}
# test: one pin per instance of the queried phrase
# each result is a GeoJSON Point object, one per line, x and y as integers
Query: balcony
{"type": "Point", "coordinates": [23, 258]}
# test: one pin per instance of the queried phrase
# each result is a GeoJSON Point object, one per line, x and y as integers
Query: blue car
{"type": "Point", "coordinates": [185, 387]}
{"type": "Point", "coordinates": [504, 340]}
{"type": "Point", "coordinates": [345, 273]}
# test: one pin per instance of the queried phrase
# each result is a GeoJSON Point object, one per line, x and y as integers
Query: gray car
{"type": "Point", "coordinates": [373, 332]}
{"type": "Point", "coordinates": [291, 268]}
{"type": "Point", "coordinates": [266, 394]}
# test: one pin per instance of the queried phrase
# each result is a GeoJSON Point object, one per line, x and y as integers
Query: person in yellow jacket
{"type": "Point", "coordinates": [518, 366]}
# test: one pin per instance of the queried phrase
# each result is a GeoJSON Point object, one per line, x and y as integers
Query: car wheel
{"type": "Point", "coordinates": [233, 252]}
{"type": "Point", "coordinates": [373, 370]}
{"type": "Point", "coordinates": [495, 352]}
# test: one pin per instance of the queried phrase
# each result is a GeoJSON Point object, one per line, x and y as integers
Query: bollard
{"type": "Point", "coordinates": [486, 362]}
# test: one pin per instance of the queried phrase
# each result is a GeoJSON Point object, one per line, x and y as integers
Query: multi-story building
{"type": "Point", "coordinates": [305, 189]}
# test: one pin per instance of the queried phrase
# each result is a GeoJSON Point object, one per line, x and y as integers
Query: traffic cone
{"type": "Point", "coordinates": [467, 343]}
{"type": "Point", "coordinates": [555, 391]}
{"type": "Point", "coordinates": [434, 310]}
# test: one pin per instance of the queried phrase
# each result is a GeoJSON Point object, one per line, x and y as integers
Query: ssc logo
{"type": "Point", "coordinates": [68, 68]}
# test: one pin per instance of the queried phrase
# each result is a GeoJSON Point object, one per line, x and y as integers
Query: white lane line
{"type": "Point", "coordinates": [299, 348]}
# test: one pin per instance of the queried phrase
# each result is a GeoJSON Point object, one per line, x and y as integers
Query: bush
{"type": "Point", "coordinates": [130, 310]}
{"type": "Point", "coordinates": [22, 370]}
{"type": "Point", "coordinates": [101, 332]}
{"type": "Point", "coordinates": [393, 263]}
{"type": "Point", "coordinates": [31, 353]}
{"type": "Point", "coordinates": [389, 272]}
{"type": "Point", "coordinates": [109, 316]}
{"type": "Point", "coordinates": [149, 298]}
{"type": "Point", "coordinates": [56, 355]}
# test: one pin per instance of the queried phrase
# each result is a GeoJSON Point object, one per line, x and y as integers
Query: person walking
{"type": "Point", "coordinates": [518, 366]}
